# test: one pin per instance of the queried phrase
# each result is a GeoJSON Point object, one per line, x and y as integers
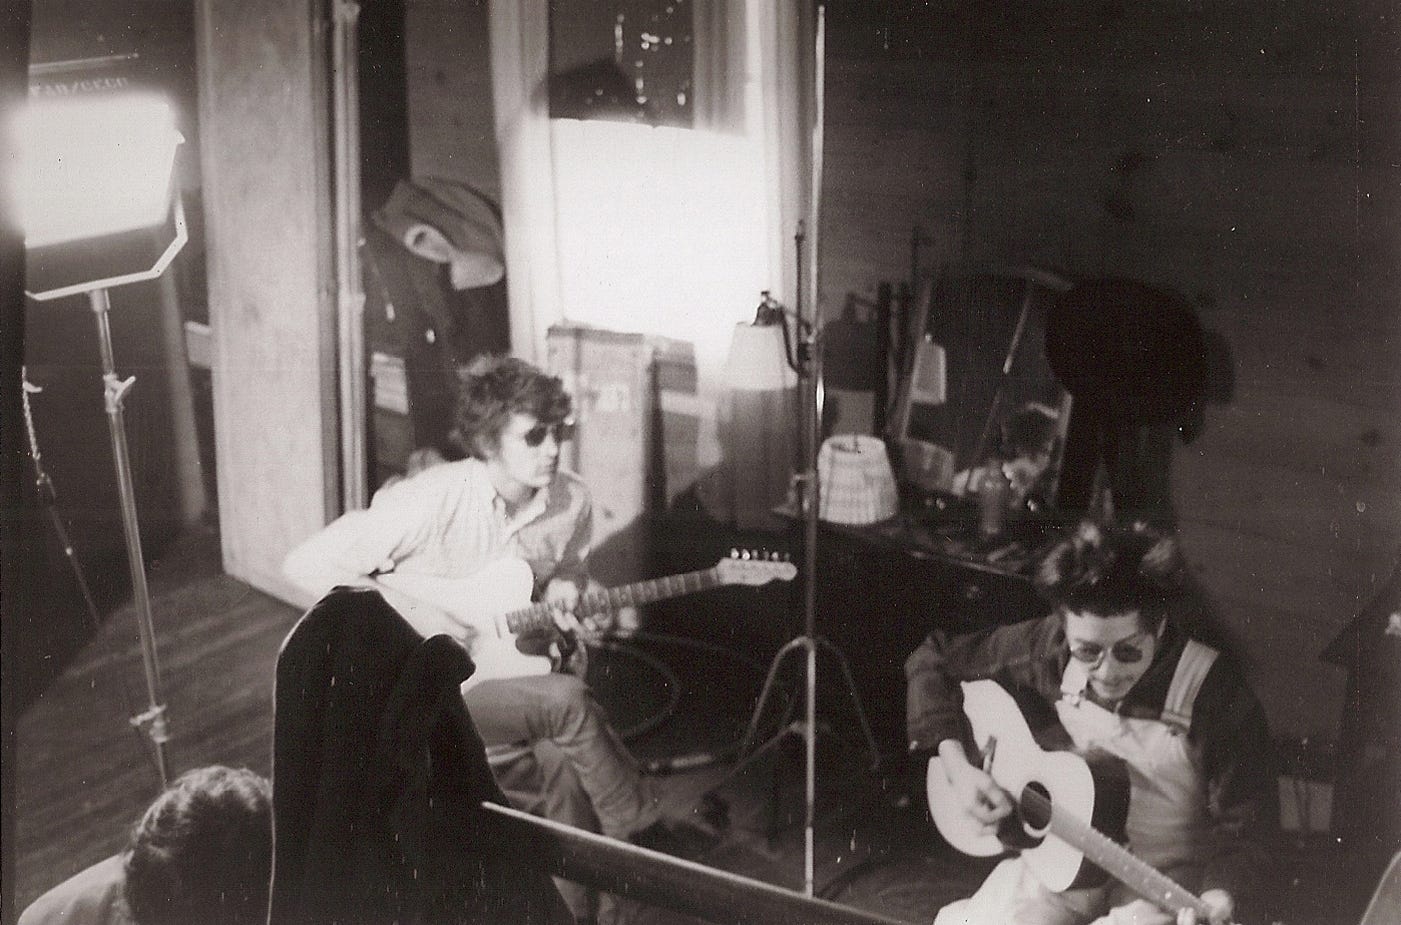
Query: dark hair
{"type": "Point", "coordinates": [203, 851]}
{"type": "Point", "coordinates": [495, 387]}
{"type": "Point", "coordinates": [1111, 570]}
{"type": "Point", "coordinates": [1031, 429]}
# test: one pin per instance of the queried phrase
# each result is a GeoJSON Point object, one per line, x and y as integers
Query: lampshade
{"type": "Point", "coordinates": [858, 485]}
{"type": "Point", "coordinates": [757, 361]}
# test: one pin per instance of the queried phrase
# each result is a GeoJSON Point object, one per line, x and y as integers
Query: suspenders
{"type": "Point", "coordinates": [1192, 667]}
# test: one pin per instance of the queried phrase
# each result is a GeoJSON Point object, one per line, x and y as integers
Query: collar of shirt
{"type": "Point", "coordinates": [527, 512]}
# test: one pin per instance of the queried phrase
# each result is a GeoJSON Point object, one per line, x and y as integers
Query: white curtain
{"type": "Point", "coordinates": [663, 230]}
{"type": "Point", "coordinates": [520, 59]}
{"type": "Point", "coordinates": [760, 432]}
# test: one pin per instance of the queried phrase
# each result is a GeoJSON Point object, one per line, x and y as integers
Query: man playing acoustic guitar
{"type": "Point", "coordinates": [1112, 668]}
{"type": "Point", "coordinates": [508, 498]}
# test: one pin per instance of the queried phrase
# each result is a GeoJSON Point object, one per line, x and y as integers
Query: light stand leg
{"type": "Point", "coordinates": [807, 728]}
{"type": "Point", "coordinates": [114, 391]}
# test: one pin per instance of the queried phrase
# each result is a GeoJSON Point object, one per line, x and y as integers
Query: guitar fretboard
{"type": "Point", "coordinates": [537, 617]}
{"type": "Point", "coordinates": [1149, 882]}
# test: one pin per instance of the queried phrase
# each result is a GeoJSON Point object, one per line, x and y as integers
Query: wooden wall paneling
{"type": "Point", "coordinates": [1296, 391]}
{"type": "Point", "coordinates": [1208, 151]}
{"type": "Point", "coordinates": [452, 124]}
{"type": "Point", "coordinates": [265, 157]}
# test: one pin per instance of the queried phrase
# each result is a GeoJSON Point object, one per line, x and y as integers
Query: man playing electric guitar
{"type": "Point", "coordinates": [508, 498]}
{"type": "Point", "coordinates": [1124, 679]}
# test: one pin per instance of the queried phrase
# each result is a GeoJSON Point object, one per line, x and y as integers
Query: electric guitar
{"type": "Point", "coordinates": [1065, 805]}
{"type": "Point", "coordinates": [495, 602]}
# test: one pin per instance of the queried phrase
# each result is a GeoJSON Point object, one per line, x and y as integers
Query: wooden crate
{"type": "Point", "coordinates": [612, 378]}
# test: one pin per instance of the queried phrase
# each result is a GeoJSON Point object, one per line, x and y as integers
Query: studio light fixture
{"type": "Point", "coordinates": [97, 201]}
{"type": "Point", "coordinates": [95, 192]}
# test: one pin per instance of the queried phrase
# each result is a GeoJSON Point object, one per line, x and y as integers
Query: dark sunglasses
{"type": "Point", "coordinates": [562, 431]}
{"type": "Point", "coordinates": [1092, 653]}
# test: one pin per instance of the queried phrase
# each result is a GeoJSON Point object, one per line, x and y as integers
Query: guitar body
{"type": "Point", "coordinates": [494, 590]}
{"type": "Point", "coordinates": [1094, 790]}
{"type": "Point", "coordinates": [479, 601]}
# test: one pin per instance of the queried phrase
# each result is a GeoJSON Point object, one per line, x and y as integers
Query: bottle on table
{"type": "Point", "coordinates": [994, 490]}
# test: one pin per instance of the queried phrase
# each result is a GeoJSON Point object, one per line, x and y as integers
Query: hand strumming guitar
{"type": "Point", "coordinates": [983, 800]}
{"type": "Point", "coordinates": [978, 794]}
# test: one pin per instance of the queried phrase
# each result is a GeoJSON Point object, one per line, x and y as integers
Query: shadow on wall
{"type": "Point", "coordinates": [1142, 370]}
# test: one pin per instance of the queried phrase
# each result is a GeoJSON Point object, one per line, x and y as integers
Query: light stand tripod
{"type": "Point", "coordinates": [808, 364]}
{"type": "Point", "coordinates": [152, 720]}
{"type": "Point", "coordinates": [48, 496]}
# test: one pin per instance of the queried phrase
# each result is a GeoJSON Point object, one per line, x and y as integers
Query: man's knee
{"type": "Point", "coordinates": [566, 694]}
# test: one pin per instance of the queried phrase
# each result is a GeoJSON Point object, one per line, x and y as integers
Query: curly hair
{"type": "Point", "coordinates": [493, 388]}
{"type": "Point", "coordinates": [203, 851]}
{"type": "Point", "coordinates": [1110, 570]}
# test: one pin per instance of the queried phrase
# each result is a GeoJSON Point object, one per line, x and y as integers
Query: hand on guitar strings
{"type": "Point", "coordinates": [563, 595]}
{"type": "Point", "coordinates": [1143, 912]}
{"type": "Point", "coordinates": [979, 795]}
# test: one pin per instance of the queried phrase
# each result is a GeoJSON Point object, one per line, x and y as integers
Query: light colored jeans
{"type": "Point", "coordinates": [572, 766]}
{"type": "Point", "coordinates": [562, 711]}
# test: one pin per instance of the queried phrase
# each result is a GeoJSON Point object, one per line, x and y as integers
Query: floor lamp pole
{"type": "Point", "coordinates": [810, 382]}
{"type": "Point", "coordinates": [806, 494]}
{"type": "Point", "coordinates": [114, 393]}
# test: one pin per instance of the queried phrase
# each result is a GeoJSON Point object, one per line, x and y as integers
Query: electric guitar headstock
{"type": "Point", "coordinates": [754, 567]}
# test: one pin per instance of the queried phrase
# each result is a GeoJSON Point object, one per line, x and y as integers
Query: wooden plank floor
{"type": "Point", "coordinates": [83, 775]}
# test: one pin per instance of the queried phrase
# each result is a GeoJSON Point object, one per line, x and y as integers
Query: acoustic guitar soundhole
{"type": "Point", "coordinates": [1026, 828]}
{"type": "Point", "coordinates": [1036, 808]}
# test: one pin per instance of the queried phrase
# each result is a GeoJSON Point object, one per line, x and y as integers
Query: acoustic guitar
{"type": "Point", "coordinates": [495, 602]}
{"type": "Point", "coordinates": [1070, 811]}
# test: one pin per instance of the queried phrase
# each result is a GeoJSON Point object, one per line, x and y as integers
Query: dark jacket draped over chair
{"type": "Point", "coordinates": [378, 778]}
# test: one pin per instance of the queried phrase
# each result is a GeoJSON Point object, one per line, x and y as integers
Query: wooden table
{"type": "Point", "coordinates": [883, 587]}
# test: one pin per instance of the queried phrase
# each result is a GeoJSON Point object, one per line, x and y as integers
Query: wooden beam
{"type": "Point", "coordinates": [265, 156]}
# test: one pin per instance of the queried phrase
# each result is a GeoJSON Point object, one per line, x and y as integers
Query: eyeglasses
{"type": "Point", "coordinates": [562, 431]}
{"type": "Point", "coordinates": [1124, 652]}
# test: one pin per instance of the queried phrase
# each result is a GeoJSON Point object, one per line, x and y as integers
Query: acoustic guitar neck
{"type": "Point", "coordinates": [1139, 876]}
